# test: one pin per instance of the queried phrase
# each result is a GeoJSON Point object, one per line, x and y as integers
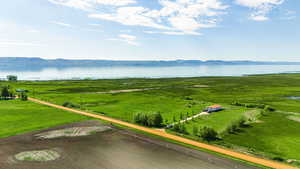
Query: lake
{"type": "Point", "coordinates": [147, 72]}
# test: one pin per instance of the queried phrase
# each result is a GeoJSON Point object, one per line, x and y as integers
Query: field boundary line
{"type": "Point", "coordinates": [231, 153]}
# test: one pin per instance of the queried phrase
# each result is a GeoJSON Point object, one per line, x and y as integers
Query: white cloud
{"type": "Point", "coordinates": [79, 4]}
{"type": "Point", "coordinates": [260, 8]}
{"type": "Point", "coordinates": [184, 16]}
{"type": "Point", "coordinates": [130, 39]}
{"type": "Point", "coordinates": [258, 17]}
{"type": "Point", "coordinates": [91, 4]}
{"type": "Point", "coordinates": [61, 24]}
{"type": "Point", "coordinates": [189, 16]}
{"type": "Point", "coordinates": [132, 16]}
{"type": "Point", "coordinates": [116, 2]}
{"type": "Point", "coordinates": [172, 33]}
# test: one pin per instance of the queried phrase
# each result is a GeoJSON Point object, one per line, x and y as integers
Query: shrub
{"type": "Point", "coordinates": [242, 122]}
{"type": "Point", "coordinates": [149, 119]}
{"type": "Point", "coordinates": [249, 105]}
{"type": "Point", "coordinates": [24, 96]}
{"type": "Point", "coordinates": [208, 134]}
{"type": "Point", "coordinates": [188, 98]}
{"type": "Point", "coordinates": [174, 118]}
{"type": "Point", "coordinates": [70, 105]}
{"type": "Point", "coordinates": [180, 128]}
{"type": "Point", "coordinates": [268, 108]}
{"type": "Point", "coordinates": [181, 116]}
{"type": "Point", "coordinates": [195, 130]}
{"type": "Point", "coordinates": [278, 159]}
{"type": "Point", "coordinates": [5, 91]}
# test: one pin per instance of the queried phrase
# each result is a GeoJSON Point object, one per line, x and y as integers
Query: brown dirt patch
{"type": "Point", "coordinates": [112, 149]}
{"type": "Point", "coordinates": [72, 132]}
{"type": "Point", "coordinates": [37, 155]}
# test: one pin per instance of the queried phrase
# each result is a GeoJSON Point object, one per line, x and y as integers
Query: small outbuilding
{"type": "Point", "coordinates": [214, 108]}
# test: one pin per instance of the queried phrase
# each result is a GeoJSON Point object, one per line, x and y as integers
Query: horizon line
{"type": "Point", "coordinates": [155, 60]}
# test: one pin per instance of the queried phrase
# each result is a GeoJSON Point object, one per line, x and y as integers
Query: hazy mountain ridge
{"type": "Point", "coordinates": [38, 63]}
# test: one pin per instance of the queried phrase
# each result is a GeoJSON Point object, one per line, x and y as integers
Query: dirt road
{"type": "Point", "coordinates": [228, 152]}
{"type": "Point", "coordinates": [188, 119]}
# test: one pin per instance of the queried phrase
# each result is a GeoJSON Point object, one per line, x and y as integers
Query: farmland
{"type": "Point", "coordinates": [272, 135]}
{"type": "Point", "coordinates": [19, 117]}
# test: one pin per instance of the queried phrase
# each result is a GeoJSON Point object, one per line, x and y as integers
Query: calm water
{"type": "Point", "coordinates": [148, 72]}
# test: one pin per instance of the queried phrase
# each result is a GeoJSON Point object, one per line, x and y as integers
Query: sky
{"type": "Point", "coordinates": [261, 30]}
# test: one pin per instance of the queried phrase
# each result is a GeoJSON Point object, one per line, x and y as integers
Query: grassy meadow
{"type": "Point", "coordinates": [274, 135]}
{"type": "Point", "coordinates": [18, 117]}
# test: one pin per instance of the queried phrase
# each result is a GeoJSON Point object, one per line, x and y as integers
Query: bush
{"type": "Point", "coordinates": [268, 108]}
{"type": "Point", "coordinates": [249, 105]}
{"type": "Point", "coordinates": [149, 119]}
{"type": "Point", "coordinates": [70, 105]}
{"type": "Point", "coordinates": [242, 122]}
{"type": "Point", "coordinates": [278, 159]}
{"type": "Point", "coordinates": [188, 98]}
{"type": "Point", "coordinates": [180, 128]}
{"type": "Point", "coordinates": [5, 91]}
{"type": "Point", "coordinates": [24, 96]}
{"type": "Point", "coordinates": [208, 134]}
{"type": "Point", "coordinates": [195, 130]}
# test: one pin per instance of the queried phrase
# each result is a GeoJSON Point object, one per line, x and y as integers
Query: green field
{"type": "Point", "coordinates": [272, 135]}
{"type": "Point", "coordinates": [18, 117]}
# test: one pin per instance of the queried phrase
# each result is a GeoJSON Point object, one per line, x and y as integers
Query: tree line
{"type": "Point", "coordinates": [7, 93]}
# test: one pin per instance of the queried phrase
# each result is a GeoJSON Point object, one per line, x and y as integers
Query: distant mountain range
{"type": "Point", "coordinates": [20, 63]}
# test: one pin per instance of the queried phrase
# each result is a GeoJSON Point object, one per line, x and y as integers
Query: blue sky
{"type": "Point", "coordinates": [151, 29]}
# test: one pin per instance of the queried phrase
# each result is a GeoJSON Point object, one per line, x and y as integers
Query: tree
{"type": "Point", "coordinates": [12, 78]}
{"type": "Point", "coordinates": [158, 119]}
{"type": "Point", "coordinates": [149, 119]}
{"type": "Point", "coordinates": [5, 92]}
{"type": "Point", "coordinates": [180, 128]}
{"type": "Point", "coordinates": [195, 130]}
{"type": "Point", "coordinates": [208, 134]}
{"type": "Point", "coordinates": [24, 96]}
{"type": "Point", "coordinates": [181, 116]}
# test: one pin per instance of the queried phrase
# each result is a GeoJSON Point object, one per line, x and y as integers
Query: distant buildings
{"type": "Point", "coordinates": [214, 108]}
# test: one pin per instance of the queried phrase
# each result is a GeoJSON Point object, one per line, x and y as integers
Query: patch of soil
{"type": "Point", "coordinates": [125, 91]}
{"type": "Point", "coordinates": [38, 155]}
{"type": "Point", "coordinates": [200, 86]}
{"type": "Point", "coordinates": [294, 118]}
{"type": "Point", "coordinates": [72, 132]}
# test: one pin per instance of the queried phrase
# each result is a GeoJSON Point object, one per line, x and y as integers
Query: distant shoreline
{"type": "Point", "coordinates": [128, 78]}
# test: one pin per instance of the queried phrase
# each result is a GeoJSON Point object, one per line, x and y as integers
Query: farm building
{"type": "Point", "coordinates": [214, 108]}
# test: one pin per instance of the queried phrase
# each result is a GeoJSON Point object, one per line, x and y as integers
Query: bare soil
{"type": "Point", "coordinates": [125, 91]}
{"type": "Point", "coordinates": [109, 149]}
